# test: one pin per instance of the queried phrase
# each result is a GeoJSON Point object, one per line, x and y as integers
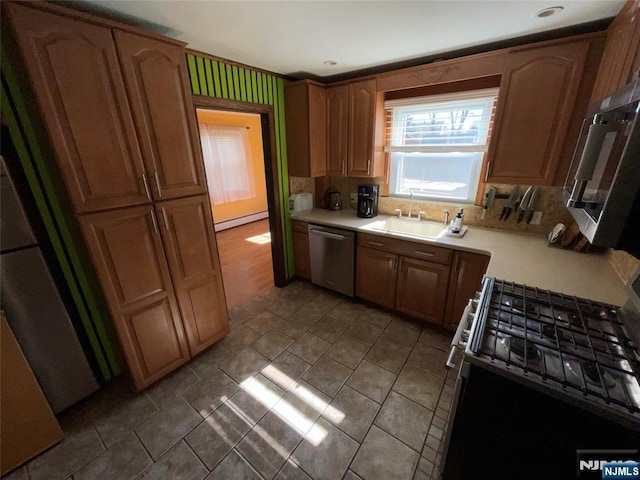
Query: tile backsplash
{"type": "Point", "coordinates": [549, 202]}
{"type": "Point", "coordinates": [624, 264]}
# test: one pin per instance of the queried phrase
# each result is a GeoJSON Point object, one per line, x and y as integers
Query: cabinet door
{"type": "Point", "coordinates": [376, 276]}
{"type": "Point", "coordinates": [337, 130]}
{"type": "Point", "coordinates": [422, 289]}
{"type": "Point", "coordinates": [537, 96]}
{"type": "Point", "coordinates": [317, 130]}
{"type": "Point", "coordinates": [190, 243]}
{"type": "Point", "coordinates": [306, 120]}
{"type": "Point", "coordinates": [301, 249]}
{"type": "Point", "coordinates": [156, 78]}
{"type": "Point", "coordinates": [76, 79]}
{"type": "Point", "coordinates": [362, 110]}
{"type": "Point", "coordinates": [621, 57]}
{"type": "Point", "coordinates": [466, 279]}
{"type": "Point", "coordinates": [127, 252]}
{"type": "Point", "coordinates": [28, 425]}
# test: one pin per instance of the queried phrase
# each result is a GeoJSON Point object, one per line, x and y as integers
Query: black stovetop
{"type": "Point", "coordinates": [578, 347]}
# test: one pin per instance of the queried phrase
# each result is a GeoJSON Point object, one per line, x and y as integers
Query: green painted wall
{"type": "Point", "coordinates": [217, 79]}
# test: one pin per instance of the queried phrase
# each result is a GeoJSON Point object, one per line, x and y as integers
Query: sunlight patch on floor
{"type": "Point", "coordinates": [261, 239]}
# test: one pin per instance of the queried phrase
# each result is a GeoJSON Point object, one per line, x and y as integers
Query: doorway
{"type": "Point", "coordinates": [235, 163]}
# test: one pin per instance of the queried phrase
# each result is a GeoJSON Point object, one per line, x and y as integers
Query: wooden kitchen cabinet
{"type": "Point", "coordinates": [127, 252]}
{"type": "Point", "coordinates": [366, 130]}
{"type": "Point", "coordinates": [301, 249]}
{"type": "Point", "coordinates": [621, 57]}
{"type": "Point", "coordinates": [422, 289]}
{"type": "Point", "coordinates": [376, 274]}
{"type": "Point", "coordinates": [74, 70]}
{"type": "Point", "coordinates": [117, 105]}
{"type": "Point", "coordinates": [189, 240]}
{"type": "Point", "coordinates": [28, 427]}
{"type": "Point", "coordinates": [466, 278]}
{"type": "Point", "coordinates": [428, 282]}
{"type": "Point", "coordinates": [159, 91]}
{"type": "Point", "coordinates": [305, 116]}
{"type": "Point", "coordinates": [337, 130]}
{"type": "Point", "coordinates": [538, 93]}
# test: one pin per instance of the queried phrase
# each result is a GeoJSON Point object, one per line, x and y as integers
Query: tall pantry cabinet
{"type": "Point", "coordinates": [116, 105]}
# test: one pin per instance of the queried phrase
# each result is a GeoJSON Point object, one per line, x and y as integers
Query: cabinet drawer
{"type": "Point", "coordinates": [299, 226]}
{"type": "Point", "coordinates": [406, 248]}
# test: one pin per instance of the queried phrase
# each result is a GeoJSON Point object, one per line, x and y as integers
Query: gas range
{"type": "Point", "coordinates": [574, 349]}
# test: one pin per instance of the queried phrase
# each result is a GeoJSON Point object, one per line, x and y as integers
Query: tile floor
{"type": "Point", "coordinates": [308, 385]}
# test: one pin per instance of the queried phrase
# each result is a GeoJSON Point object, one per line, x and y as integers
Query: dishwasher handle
{"type": "Point", "coordinates": [333, 236]}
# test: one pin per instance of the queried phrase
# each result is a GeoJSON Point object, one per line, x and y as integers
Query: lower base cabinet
{"type": "Point", "coordinates": [28, 427]}
{"type": "Point", "coordinates": [466, 278]}
{"type": "Point", "coordinates": [160, 273]}
{"type": "Point", "coordinates": [376, 276]}
{"type": "Point", "coordinates": [427, 282]}
{"type": "Point", "coordinates": [422, 289]}
{"type": "Point", "coordinates": [301, 249]}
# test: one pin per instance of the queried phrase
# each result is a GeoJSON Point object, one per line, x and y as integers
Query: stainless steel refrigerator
{"type": "Point", "coordinates": [34, 308]}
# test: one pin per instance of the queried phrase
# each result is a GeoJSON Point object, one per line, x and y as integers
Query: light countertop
{"type": "Point", "coordinates": [518, 257]}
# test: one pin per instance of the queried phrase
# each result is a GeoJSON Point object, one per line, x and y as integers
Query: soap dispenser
{"type": "Point", "coordinates": [456, 223]}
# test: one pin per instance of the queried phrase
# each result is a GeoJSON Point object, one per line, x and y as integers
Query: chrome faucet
{"type": "Point", "coordinates": [420, 213]}
{"type": "Point", "coordinates": [446, 217]}
{"type": "Point", "coordinates": [410, 201]}
{"type": "Point", "coordinates": [399, 212]}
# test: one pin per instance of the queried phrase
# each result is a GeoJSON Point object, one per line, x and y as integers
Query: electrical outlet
{"type": "Point", "coordinates": [354, 197]}
{"type": "Point", "coordinates": [537, 216]}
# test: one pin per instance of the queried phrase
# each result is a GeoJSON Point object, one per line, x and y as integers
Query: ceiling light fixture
{"type": "Point", "coordinates": [547, 12]}
{"type": "Point", "coordinates": [330, 63]}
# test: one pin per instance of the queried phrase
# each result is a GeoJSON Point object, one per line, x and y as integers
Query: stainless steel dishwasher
{"type": "Point", "coordinates": [332, 252]}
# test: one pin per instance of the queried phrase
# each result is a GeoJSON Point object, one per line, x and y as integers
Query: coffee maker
{"type": "Point", "coordinates": [367, 201]}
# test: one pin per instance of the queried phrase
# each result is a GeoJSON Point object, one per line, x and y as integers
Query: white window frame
{"type": "Point", "coordinates": [401, 108]}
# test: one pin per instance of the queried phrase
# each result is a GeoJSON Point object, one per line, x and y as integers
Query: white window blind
{"type": "Point", "coordinates": [437, 143]}
{"type": "Point", "coordinates": [228, 163]}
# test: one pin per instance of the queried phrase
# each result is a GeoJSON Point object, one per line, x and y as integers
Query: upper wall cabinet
{"type": "Point", "coordinates": [155, 74]}
{"type": "Point", "coordinates": [74, 70]}
{"type": "Point", "coordinates": [108, 157]}
{"type": "Point", "coordinates": [538, 94]}
{"type": "Point", "coordinates": [305, 115]}
{"type": "Point", "coordinates": [621, 57]}
{"type": "Point", "coordinates": [337, 130]}
{"type": "Point", "coordinates": [366, 123]}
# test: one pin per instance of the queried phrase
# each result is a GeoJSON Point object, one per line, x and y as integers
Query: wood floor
{"type": "Point", "coordinates": [245, 257]}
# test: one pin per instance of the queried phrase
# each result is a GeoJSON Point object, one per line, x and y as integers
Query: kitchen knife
{"type": "Point", "coordinates": [516, 202]}
{"type": "Point", "coordinates": [524, 203]}
{"type": "Point", "coordinates": [532, 202]}
{"type": "Point", "coordinates": [506, 210]}
{"type": "Point", "coordinates": [490, 197]}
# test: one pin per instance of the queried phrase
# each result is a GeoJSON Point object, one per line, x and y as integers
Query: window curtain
{"type": "Point", "coordinates": [227, 158]}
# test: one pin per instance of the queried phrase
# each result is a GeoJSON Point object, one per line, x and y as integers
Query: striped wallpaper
{"type": "Point", "coordinates": [221, 80]}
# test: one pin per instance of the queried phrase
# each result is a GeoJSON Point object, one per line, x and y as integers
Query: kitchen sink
{"type": "Point", "coordinates": [407, 226]}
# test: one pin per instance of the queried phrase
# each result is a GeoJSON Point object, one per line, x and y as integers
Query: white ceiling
{"type": "Point", "coordinates": [290, 37]}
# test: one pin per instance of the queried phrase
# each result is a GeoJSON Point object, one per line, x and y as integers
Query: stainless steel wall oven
{"type": "Point", "coordinates": [603, 185]}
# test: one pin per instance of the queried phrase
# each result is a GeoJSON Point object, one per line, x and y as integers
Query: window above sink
{"type": "Point", "coordinates": [437, 144]}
